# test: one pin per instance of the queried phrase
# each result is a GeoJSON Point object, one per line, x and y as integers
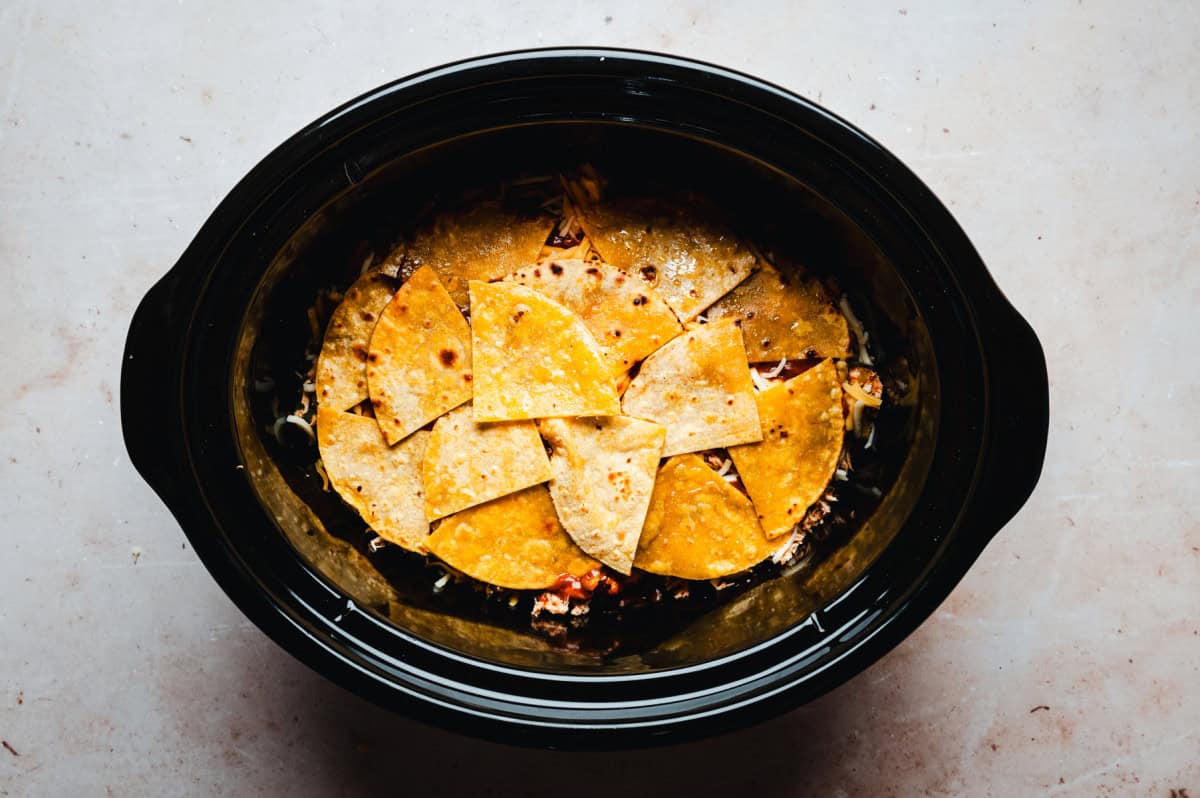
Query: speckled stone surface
{"type": "Point", "coordinates": [1063, 135]}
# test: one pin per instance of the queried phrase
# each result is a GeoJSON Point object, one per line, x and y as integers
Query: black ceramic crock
{"type": "Point", "coordinates": [967, 453]}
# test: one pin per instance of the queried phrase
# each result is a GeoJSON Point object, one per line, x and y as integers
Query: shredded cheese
{"type": "Point", "coordinates": [788, 549]}
{"type": "Point", "coordinates": [775, 372]}
{"type": "Point", "coordinates": [760, 382]}
{"type": "Point", "coordinates": [861, 395]}
{"type": "Point", "coordinates": [856, 413]}
{"type": "Point", "coordinates": [319, 467]}
{"type": "Point", "coordinates": [864, 356]}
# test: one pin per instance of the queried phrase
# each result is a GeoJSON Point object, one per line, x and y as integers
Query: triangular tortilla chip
{"type": "Point", "coordinates": [603, 475]}
{"type": "Point", "coordinates": [534, 358]}
{"type": "Point", "coordinates": [689, 260]}
{"type": "Point", "coordinates": [699, 526]}
{"type": "Point", "coordinates": [483, 243]}
{"type": "Point", "coordinates": [342, 367]}
{"type": "Point", "coordinates": [628, 319]}
{"type": "Point", "coordinates": [514, 542]}
{"type": "Point", "coordinates": [383, 483]}
{"type": "Point", "coordinates": [419, 363]}
{"type": "Point", "coordinates": [468, 463]}
{"type": "Point", "coordinates": [698, 386]}
{"type": "Point", "coordinates": [802, 440]}
{"type": "Point", "coordinates": [784, 318]}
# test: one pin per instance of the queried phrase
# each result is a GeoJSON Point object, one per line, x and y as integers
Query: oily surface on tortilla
{"type": "Point", "coordinates": [802, 430]}
{"type": "Point", "coordinates": [690, 260]}
{"type": "Point", "coordinates": [698, 525]}
{"type": "Point", "coordinates": [514, 542]}
{"type": "Point", "coordinates": [603, 474]}
{"type": "Point", "coordinates": [419, 361]}
{"type": "Point", "coordinates": [341, 375]}
{"type": "Point", "coordinates": [485, 242]}
{"type": "Point", "coordinates": [382, 482]}
{"type": "Point", "coordinates": [784, 316]}
{"type": "Point", "coordinates": [625, 315]}
{"type": "Point", "coordinates": [698, 386]}
{"type": "Point", "coordinates": [469, 463]}
{"type": "Point", "coordinates": [534, 358]}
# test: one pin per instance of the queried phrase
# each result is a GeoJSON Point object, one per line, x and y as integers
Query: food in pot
{"type": "Point", "coordinates": [686, 258]}
{"type": "Point", "coordinates": [535, 358]}
{"type": "Point", "coordinates": [699, 387]}
{"type": "Point", "coordinates": [602, 476]}
{"type": "Point", "coordinates": [482, 242]}
{"type": "Point", "coordinates": [699, 526]}
{"type": "Point", "coordinates": [784, 318]}
{"type": "Point", "coordinates": [470, 462]}
{"type": "Point", "coordinates": [802, 428]}
{"type": "Point", "coordinates": [626, 317]}
{"type": "Point", "coordinates": [628, 404]}
{"type": "Point", "coordinates": [419, 358]}
{"type": "Point", "coordinates": [515, 542]}
{"type": "Point", "coordinates": [383, 483]}
{"type": "Point", "coordinates": [341, 378]}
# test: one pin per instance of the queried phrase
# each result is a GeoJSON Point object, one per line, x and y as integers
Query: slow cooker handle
{"type": "Point", "coordinates": [1018, 417]}
{"type": "Point", "coordinates": [150, 390]}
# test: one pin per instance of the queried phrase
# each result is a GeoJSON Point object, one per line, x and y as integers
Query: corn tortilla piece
{"type": "Point", "coordinates": [419, 359]}
{"type": "Point", "coordinates": [485, 242]}
{"type": "Point", "coordinates": [689, 260]}
{"type": "Point", "coordinates": [534, 358]}
{"type": "Point", "coordinates": [699, 526]}
{"type": "Point", "coordinates": [603, 476]}
{"type": "Point", "coordinates": [698, 386]}
{"type": "Point", "coordinates": [514, 542]}
{"type": "Point", "coordinates": [342, 365]}
{"type": "Point", "coordinates": [802, 430]}
{"type": "Point", "coordinates": [627, 318]}
{"type": "Point", "coordinates": [782, 318]}
{"type": "Point", "coordinates": [383, 483]}
{"type": "Point", "coordinates": [468, 463]}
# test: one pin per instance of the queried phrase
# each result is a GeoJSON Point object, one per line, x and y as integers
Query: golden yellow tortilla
{"type": "Point", "coordinates": [419, 360]}
{"type": "Point", "coordinates": [802, 440]}
{"type": "Point", "coordinates": [534, 358]}
{"type": "Point", "coordinates": [603, 475]}
{"type": "Point", "coordinates": [699, 526]}
{"type": "Point", "coordinates": [628, 319]}
{"type": "Point", "coordinates": [468, 463]}
{"type": "Point", "coordinates": [485, 242]}
{"type": "Point", "coordinates": [688, 259]}
{"type": "Point", "coordinates": [514, 542]}
{"type": "Point", "coordinates": [383, 483]}
{"type": "Point", "coordinates": [784, 317]}
{"type": "Point", "coordinates": [698, 386]}
{"type": "Point", "coordinates": [342, 366]}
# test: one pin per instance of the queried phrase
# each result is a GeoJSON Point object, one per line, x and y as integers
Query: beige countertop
{"type": "Point", "coordinates": [1064, 137]}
